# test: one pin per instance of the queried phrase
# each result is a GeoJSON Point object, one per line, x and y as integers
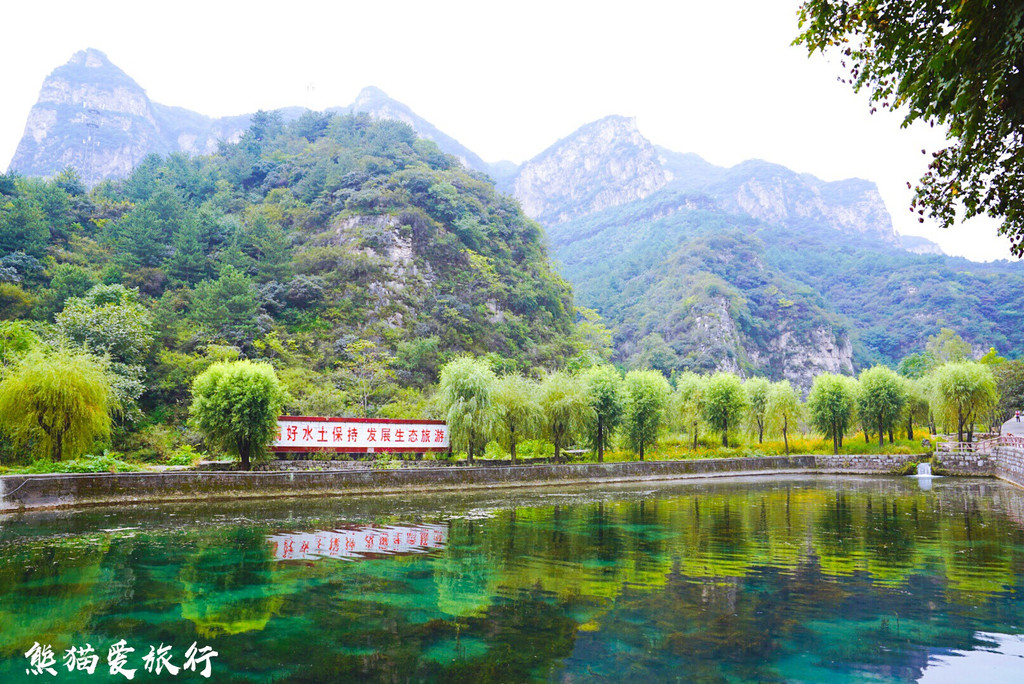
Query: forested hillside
{"type": "Point", "coordinates": [352, 255]}
{"type": "Point", "coordinates": [779, 297]}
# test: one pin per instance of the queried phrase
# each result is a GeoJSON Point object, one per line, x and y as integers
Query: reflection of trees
{"type": "Point", "coordinates": [227, 584]}
{"type": "Point", "coordinates": [49, 591]}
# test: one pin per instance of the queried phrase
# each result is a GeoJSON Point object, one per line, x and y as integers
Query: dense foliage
{"type": "Point", "coordinates": [688, 285]}
{"type": "Point", "coordinates": [353, 257]}
{"type": "Point", "coordinates": [958, 64]}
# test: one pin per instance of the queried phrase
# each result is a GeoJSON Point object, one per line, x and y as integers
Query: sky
{"type": "Point", "coordinates": [505, 79]}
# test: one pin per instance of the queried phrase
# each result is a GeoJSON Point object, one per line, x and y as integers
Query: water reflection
{"type": "Point", "coordinates": [358, 543]}
{"type": "Point", "coordinates": [788, 579]}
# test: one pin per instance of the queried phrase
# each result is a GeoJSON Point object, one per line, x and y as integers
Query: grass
{"type": "Point", "coordinates": [105, 463]}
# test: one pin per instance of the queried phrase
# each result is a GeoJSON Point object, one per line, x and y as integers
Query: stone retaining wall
{"type": "Point", "coordinates": [1010, 464]}
{"type": "Point", "coordinates": [970, 465]}
{"type": "Point", "coordinates": [19, 492]}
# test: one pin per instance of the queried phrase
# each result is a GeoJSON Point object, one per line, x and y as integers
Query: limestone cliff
{"type": "Point", "coordinates": [601, 165]}
{"type": "Point", "coordinates": [92, 116]}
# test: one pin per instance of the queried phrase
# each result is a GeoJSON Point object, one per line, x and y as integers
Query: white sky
{"type": "Point", "coordinates": [505, 79]}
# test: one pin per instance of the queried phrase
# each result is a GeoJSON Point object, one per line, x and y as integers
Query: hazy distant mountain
{"type": "Point", "coordinates": [92, 116]}
{"type": "Point", "coordinates": [603, 164]}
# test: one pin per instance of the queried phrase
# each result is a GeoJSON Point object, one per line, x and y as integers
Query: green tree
{"type": "Point", "coordinates": [604, 387]}
{"type": "Point", "coordinates": [948, 346]}
{"type": "Point", "coordinates": [916, 365]}
{"type": "Point", "coordinates": [831, 404]}
{"type": "Point", "coordinates": [227, 307]}
{"type": "Point", "coordinates": [724, 403]}
{"type": "Point", "coordinates": [466, 397]}
{"type": "Point", "coordinates": [647, 394]}
{"type": "Point", "coordinates": [1009, 384]}
{"type": "Point", "coordinates": [22, 227]}
{"type": "Point", "coordinates": [956, 64]}
{"type": "Point", "coordinates": [962, 392]}
{"type": "Point", "coordinates": [66, 281]}
{"type": "Point", "coordinates": [566, 406]}
{"type": "Point", "coordinates": [880, 400]}
{"type": "Point", "coordinates": [782, 410]}
{"type": "Point", "coordinates": [235, 405]}
{"type": "Point", "coordinates": [915, 408]}
{"type": "Point", "coordinates": [56, 403]}
{"type": "Point", "coordinates": [689, 402]}
{"type": "Point", "coordinates": [109, 320]}
{"type": "Point", "coordinates": [518, 411]}
{"type": "Point", "coordinates": [757, 404]}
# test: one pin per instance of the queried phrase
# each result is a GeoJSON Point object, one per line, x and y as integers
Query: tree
{"type": "Point", "coordinates": [915, 408]}
{"type": "Point", "coordinates": [916, 365]}
{"type": "Point", "coordinates": [831, 404]}
{"type": "Point", "coordinates": [604, 386]}
{"type": "Point", "coordinates": [517, 408]}
{"type": "Point", "coordinates": [724, 403]}
{"type": "Point", "coordinates": [236, 404]}
{"type": "Point", "coordinates": [465, 393]}
{"type": "Point", "coordinates": [109, 320]}
{"type": "Point", "coordinates": [956, 64]}
{"type": "Point", "coordinates": [782, 409]}
{"type": "Point", "coordinates": [56, 403]}
{"type": "Point", "coordinates": [566, 406]}
{"type": "Point", "coordinates": [1009, 384]}
{"type": "Point", "coordinates": [647, 394]}
{"type": "Point", "coordinates": [948, 346]}
{"type": "Point", "coordinates": [227, 307]}
{"type": "Point", "coordinates": [881, 400]}
{"type": "Point", "coordinates": [689, 402]}
{"type": "Point", "coordinates": [757, 403]}
{"type": "Point", "coordinates": [962, 392]}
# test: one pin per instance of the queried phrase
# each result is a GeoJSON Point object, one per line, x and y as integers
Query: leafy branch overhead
{"type": "Point", "coordinates": [956, 64]}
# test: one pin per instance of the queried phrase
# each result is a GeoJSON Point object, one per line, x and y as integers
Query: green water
{"type": "Point", "coordinates": [785, 579]}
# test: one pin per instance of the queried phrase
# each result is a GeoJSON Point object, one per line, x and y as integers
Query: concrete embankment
{"type": "Point", "coordinates": [24, 492]}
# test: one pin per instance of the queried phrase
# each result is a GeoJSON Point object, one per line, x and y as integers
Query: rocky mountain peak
{"type": "Point", "coordinates": [603, 164]}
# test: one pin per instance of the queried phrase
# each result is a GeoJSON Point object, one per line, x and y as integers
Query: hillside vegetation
{"type": "Point", "coordinates": [353, 256]}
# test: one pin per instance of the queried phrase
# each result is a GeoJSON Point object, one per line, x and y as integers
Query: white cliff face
{"type": "Point", "coordinates": [91, 116]}
{"type": "Point", "coordinates": [849, 206]}
{"type": "Point", "coordinates": [602, 165]}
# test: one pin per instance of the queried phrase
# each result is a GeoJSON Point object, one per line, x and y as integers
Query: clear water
{"type": "Point", "coordinates": [795, 579]}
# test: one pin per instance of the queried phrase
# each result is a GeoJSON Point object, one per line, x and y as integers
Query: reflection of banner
{"type": "Point", "coordinates": [358, 543]}
{"type": "Point", "coordinates": [359, 435]}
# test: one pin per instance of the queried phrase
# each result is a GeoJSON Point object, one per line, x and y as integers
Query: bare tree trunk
{"type": "Point", "coordinates": [600, 439]}
{"type": "Point", "coordinates": [910, 426]}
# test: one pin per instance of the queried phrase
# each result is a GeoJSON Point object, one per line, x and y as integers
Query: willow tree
{"type": "Point", "coordinates": [235, 405]}
{"type": "Point", "coordinates": [689, 402]}
{"type": "Point", "coordinates": [782, 409]}
{"type": "Point", "coordinates": [831, 405]}
{"type": "Point", "coordinates": [604, 387]}
{"type": "Point", "coordinates": [962, 392]}
{"type": "Point", "coordinates": [465, 393]}
{"type": "Point", "coordinates": [56, 403]}
{"type": "Point", "coordinates": [566, 408]}
{"type": "Point", "coordinates": [880, 400]}
{"type": "Point", "coordinates": [517, 410]}
{"type": "Point", "coordinates": [915, 408]}
{"type": "Point", "coordinates": [724, 403]}
{"type": "Point", "coordinates": [647, 395]}
{"type": "Point", "coordinates": [757, 404]}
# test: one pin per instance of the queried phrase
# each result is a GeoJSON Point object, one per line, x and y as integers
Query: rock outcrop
{"type": "Point", "coordinates": [92, 116]}
{"type": "Point", "coordinates": [601, 165]}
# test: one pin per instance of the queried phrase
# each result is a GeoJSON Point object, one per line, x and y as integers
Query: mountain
{"type": "Point", "coordinates": [377, 104]}
{"type": "Point", "coordinates": [603, 164]}
{"type": "Point", "coordinates": [353, 256]}
{"type": "Point", "coordinates": [92, 116]}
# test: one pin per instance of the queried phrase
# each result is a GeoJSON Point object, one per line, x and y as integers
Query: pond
{"type": "Point", "coordinates": [766, 579]}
